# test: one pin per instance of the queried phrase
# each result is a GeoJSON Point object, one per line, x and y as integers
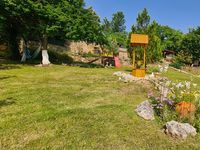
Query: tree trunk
{"type": "Point", "coordinates": [45, 56]}
{"type": "Point", "coordinates": [44, 42]}
{"type": "Point", "coordinates": [13, 44]}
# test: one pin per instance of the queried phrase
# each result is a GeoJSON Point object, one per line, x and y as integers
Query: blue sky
{"type": "Point", "coordinates": [178, 14]}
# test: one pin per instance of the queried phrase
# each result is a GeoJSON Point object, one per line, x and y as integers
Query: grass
{"type": "Point", "coordinates": [62, 107]}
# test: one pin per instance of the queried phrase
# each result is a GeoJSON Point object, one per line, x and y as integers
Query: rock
{"type": "Point", "coordinates": [118, 73]}
{"type": "Point", "coordinates": [125, 77]}
{"type": "Point", "coordinates": [145, 110]}
{"type": "Point", "coordinates": [179, 130]}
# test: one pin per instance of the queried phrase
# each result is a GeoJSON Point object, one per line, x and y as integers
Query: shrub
{"type": "Point", "coordinates": [4, 54]}
{"type": "Point", "coordinates": [183, 57]}
{"type": "Point", "coordinates": [177, 65]}
{"type": "Point", "coordinates": [152, 69]}
{"type": "Point", "coordinates": [89, 54]}
{"type": "Point", "coordinates": [197, 120]}
{"type": "Point", "coordinates": [56, 57]}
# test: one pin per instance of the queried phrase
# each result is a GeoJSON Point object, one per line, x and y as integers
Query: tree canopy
{"type": "Point", "coordinates": [143, 26]}
{"type": "Point", "coordinates": [191, 43]}
{"type": "Point", "coordinates": [143, 21]}
{"type": "Point", "coordinates": [114, 31]}
{"type": "Point", "coordinates": [34, 19]}
{"type": "Point", "coordinates": [118, 22]}
{"type": "Point", "coordinates": [170, 38]}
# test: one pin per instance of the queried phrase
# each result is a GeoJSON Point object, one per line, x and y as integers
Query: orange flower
{"type": "Point", "coordinates": [185, 108]}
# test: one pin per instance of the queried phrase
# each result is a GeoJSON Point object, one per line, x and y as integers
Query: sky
{"type": "Point", "coordinates": [178, 14]}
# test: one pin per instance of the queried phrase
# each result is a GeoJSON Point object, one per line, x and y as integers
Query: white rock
{"type": "Point", "coordinates": [145, 110]}
{"type": "Point", "coordinates": [179, 130]}
{"type": "Point", "coordinates": [118, 73]}
{"type": "Point", "coordinates": [125, 77]}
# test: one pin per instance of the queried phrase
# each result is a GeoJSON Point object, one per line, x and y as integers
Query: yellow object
{"type": "Point", "coordinates": [139, 39]}
{"type": "Point", "coordinates": [139, 65]}
{"type": "Point", "coordinates": [107, 54]}
{"type": "Point", "coordinates": [138, 72]}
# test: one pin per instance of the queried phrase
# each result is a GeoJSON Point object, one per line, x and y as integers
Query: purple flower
{"type": "Point", "coordinates": [170, 102]}
{"type": "Point", "coordinates": [159, 106]}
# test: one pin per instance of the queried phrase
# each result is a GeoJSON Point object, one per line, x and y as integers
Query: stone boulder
{"type": "Point", "coordinates": [125, 77]}
{"type": "Point", "coordinates": [145, 110]}
{"type": "Point", "coordinates": [179, 130]}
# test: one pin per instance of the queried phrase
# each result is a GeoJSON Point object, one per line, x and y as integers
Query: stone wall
{"type": "Point", "coordinates": [124, 57]}
{"type": "Point", "coordinates": [74, 49]}
{"type": "Point", "coordinates": [83, 47]}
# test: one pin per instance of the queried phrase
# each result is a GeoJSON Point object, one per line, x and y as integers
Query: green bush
{"type": "Point", "coordinates": [56, 57]}
{"type": "Point", "coordinates": [197, 120]}
{"type": "Point", "coordinates": [183, 57]}
{"type": "Point", "coordinates": [152, 69]}
{"type": "Point", "coordinates": [88, 65]}
{"type": "Point", "coordinates": [177, 65]}
{"type": "Point", "coordinates": [3, 54]}
{"type": "Point", "coordinates": [89, 54]}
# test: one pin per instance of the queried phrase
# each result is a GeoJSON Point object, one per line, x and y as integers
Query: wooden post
{"type": "Point", "coordinates": [144, 64]}
{"type": "Point", "coordinates": [134, 58]}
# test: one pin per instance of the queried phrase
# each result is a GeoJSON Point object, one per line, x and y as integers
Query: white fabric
{"type": "Point", "coordinates": [45, 58]}
{"type": "Point", "coordinates": [35, 54]}
{"type": "Point", "coordinates": [23, 59]}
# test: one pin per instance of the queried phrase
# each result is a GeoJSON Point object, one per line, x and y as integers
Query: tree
{"type": "Point", "coordinates": [143, 21]}
{"type": "Point", "coordinates": [155, 47]}
{"type": "Point", "coordinates": [106, 25]}
{"type": "Point", "coordinates": [191, 43]}
{"type": "Point", "coordinates": [65, 19]}
{"type": "Point", "coordinates": [118, 22]}
{"type": "Point", "coordinates": [114, 32]}
{"type": "Point", "coordinates": [170, 38]}
{"type": "Point", "coordinates": [143, 26]}
{"type": "Point", "coordinates": [140, 27]}
{"type": "Point", "coordinates": [2, 33]}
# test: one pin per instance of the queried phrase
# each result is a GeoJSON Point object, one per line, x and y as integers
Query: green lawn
{"type": "Point", "coordinates": [62, 107]}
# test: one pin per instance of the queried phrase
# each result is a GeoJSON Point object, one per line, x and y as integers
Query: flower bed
{"type": "Point", "coordinates": [178, 101]}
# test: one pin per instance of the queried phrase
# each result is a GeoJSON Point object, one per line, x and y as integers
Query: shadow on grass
{"type": "Point", "coordinates": [6, 77]}
{"type": "Point", "coordinates": [8, 64]}
{"type": "Point", "coordinates": [87, 65]}
{"type": "Point", "coordinates": [8, 67]}
{"type": "Point", "coordinates": [128, 70]}
{"type": "Point", "coordinates": [7, 102]}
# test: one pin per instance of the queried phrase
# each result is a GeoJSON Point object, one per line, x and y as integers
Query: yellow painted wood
{"type": "Point", "coordinates": [144, 65]}
{"type": "Point", "coordinates": [107, 54]}
{"type": "Point", "coordinates": [138, 72]}
{"type": "Point", "coordinates": [139, 39]}
{"type": "Point", "coordinates": [134, 59]}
